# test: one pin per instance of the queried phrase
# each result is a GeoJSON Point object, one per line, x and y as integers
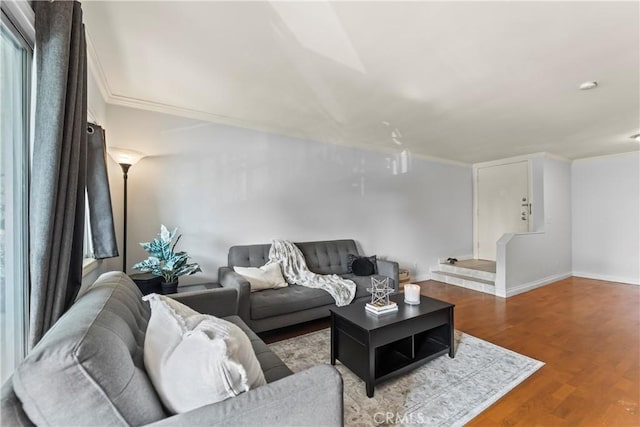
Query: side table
{"type": "Point", "coordinates": [147, 283]}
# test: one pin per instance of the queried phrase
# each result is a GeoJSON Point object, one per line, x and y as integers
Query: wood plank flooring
{"type": "Point", "coordinates": [586, 331]}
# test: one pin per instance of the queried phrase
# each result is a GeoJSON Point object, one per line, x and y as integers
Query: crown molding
{"type": "Point", "coordinates": [441, 160]}
{"type": "Point", "coordinates": [557, 157]}
{"type": "Point", "coordinates": [173, 110]}
{"type": "Point", "coordinates": [394, 151]}
{"type": "Point", "coordinates": [507, 160]}
{"type": "Point", "coordinates": [605, 156]}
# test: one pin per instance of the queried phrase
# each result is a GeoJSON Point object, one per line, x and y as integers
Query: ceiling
{"type": "Point", "coordinates": [462, 81]}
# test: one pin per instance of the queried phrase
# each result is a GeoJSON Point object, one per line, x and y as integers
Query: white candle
{"type": "Point", "coordinates": [412, 294]}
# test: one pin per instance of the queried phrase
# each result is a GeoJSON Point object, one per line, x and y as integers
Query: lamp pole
{"type": "Point", "coordinates": [125, 158]}
{"type": "Point", "coordinates": [125, 169]}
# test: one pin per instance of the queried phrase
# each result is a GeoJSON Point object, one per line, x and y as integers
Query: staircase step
{"type": "Point", "coordinates": [466, 277]}
{"type": "Point", "coordinates": [469, 272]}
{"type": "Point", "coordinates": [477, 284]}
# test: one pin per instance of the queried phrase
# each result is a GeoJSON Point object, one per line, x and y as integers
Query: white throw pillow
{"type": "Point", "coordinates": [196, 359]}
{"type": "Point", "coordinates": [266, 277]}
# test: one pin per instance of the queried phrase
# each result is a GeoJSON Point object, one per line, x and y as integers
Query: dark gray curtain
{"type": "Point", "coordinates": [58, 171]}
{"type": "Point", "coordinates": [103, 235]}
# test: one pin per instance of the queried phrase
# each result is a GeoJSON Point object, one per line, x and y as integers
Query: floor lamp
{"type": "Point", "coordinates": [125, 158]}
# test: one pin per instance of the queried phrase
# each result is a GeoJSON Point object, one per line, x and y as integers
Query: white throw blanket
{"type": "Point", "coordinates": [295, 270]}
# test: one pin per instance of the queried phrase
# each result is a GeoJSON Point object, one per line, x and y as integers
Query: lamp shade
{"type": "Point", "coordinates": [124, 156]}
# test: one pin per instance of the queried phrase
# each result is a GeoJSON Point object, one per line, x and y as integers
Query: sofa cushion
{"type": "Point", "coordinates": [269, 276]}
{"type": "Point", "coordinates": [325, 257]}
{"type": "Point", "coordinates": [274, 302]}
{"type": "Point", "coordinates": [88, 369]}
{"type": "Point", "coordinates": [196, 359]}
{"type": "Point", "coordinates": [272, 367]}
{"type": "Point", "coordinates": [248, 255]}
{"type": "Point", "coordinates": [328, 257]}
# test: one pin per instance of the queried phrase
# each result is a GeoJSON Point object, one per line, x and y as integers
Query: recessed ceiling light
{"type": "Point", "coordinates": [636, 137]}
{"type": "Point", "coordinates": [589, 85]}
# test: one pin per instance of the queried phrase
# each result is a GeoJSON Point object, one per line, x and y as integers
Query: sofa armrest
{"type": "Point", "coordinates": [309, 398]}
{"type": "Point", "coordinates": [11, 411]}
{"type": "Point", "coordinates": [230, 279]}
{"type": "Point", "coordinates": [220, 302]}
{"type": "Point", "coordinates": [390, 269]}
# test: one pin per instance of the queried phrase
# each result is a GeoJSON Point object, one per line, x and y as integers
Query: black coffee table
{"type": "Point", "coordinates": [377, 348]}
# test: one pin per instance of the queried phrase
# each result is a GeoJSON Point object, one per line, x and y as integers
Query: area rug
{"type": "Point", "coordinates": [442, 392]}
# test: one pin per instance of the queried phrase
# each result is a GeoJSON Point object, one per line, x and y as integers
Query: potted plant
{"type": "Point", "coordinates": [163, 261]}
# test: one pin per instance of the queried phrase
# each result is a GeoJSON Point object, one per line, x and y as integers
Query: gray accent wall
{"type": "Point", "coordinates": [227, 186]}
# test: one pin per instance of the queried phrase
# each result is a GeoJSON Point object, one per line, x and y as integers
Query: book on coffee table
{"type": "Point", "coordinates": [381, 308]}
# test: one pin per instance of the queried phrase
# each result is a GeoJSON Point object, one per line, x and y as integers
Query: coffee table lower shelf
{"type": "Point", "coordinates": [395, 363]}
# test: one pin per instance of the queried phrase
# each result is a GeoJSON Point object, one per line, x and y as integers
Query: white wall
{"type": "Point", "coordinates": [225, 186]}
{"type": "Point", "coordinates": [606, 214]}
{"type": "Point", "coordinates": [529, 260]}
{"type": "Point", "coordinates": [96, 105]}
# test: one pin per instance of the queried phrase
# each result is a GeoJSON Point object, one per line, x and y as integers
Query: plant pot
{"type": "Point", "coordinates": [169, 287]}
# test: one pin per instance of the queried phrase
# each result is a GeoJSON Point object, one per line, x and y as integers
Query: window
{"type": "Point", "coordinates": [15, 81]}
{"type": "Point", "coordinates": [87, 244]}
{"type": "Point", "coordinates": [89, 263]}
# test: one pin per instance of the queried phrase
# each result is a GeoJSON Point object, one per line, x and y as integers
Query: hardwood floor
{"type": "Point", "coordinates": [586, 331]}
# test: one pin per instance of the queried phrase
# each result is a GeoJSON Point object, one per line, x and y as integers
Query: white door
{"type": "Point", "coordinates": [503, 204]}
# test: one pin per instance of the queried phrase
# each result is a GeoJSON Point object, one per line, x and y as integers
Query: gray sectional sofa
{"type": "Point", "coordinates": [276, 308]}
{"type": "Point", "coordinates": [88, 370]}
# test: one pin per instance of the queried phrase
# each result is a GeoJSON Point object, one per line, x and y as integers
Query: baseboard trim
{"type": "Point", "coordinates": [534, 284]}
{"type": "Point", "coordinates": [421, 278]}
{"type": "Point", "coordinates": [617, 279]}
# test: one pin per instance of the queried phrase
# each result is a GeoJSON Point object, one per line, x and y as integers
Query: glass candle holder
{"type": "Point", "coordinates": [411, 294]}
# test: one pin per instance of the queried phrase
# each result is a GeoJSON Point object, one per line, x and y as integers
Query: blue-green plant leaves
{"type": "Point", "coordinates": [163, 261]}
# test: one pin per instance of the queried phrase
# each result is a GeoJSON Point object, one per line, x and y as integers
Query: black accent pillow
{"type": "Point", "coordinates": [362, 266]}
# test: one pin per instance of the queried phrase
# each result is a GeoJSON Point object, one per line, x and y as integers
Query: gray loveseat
{"type": "Point", "coordinates": [88, 370]}
{"type": "Point", "coordinates": [276, 308]}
